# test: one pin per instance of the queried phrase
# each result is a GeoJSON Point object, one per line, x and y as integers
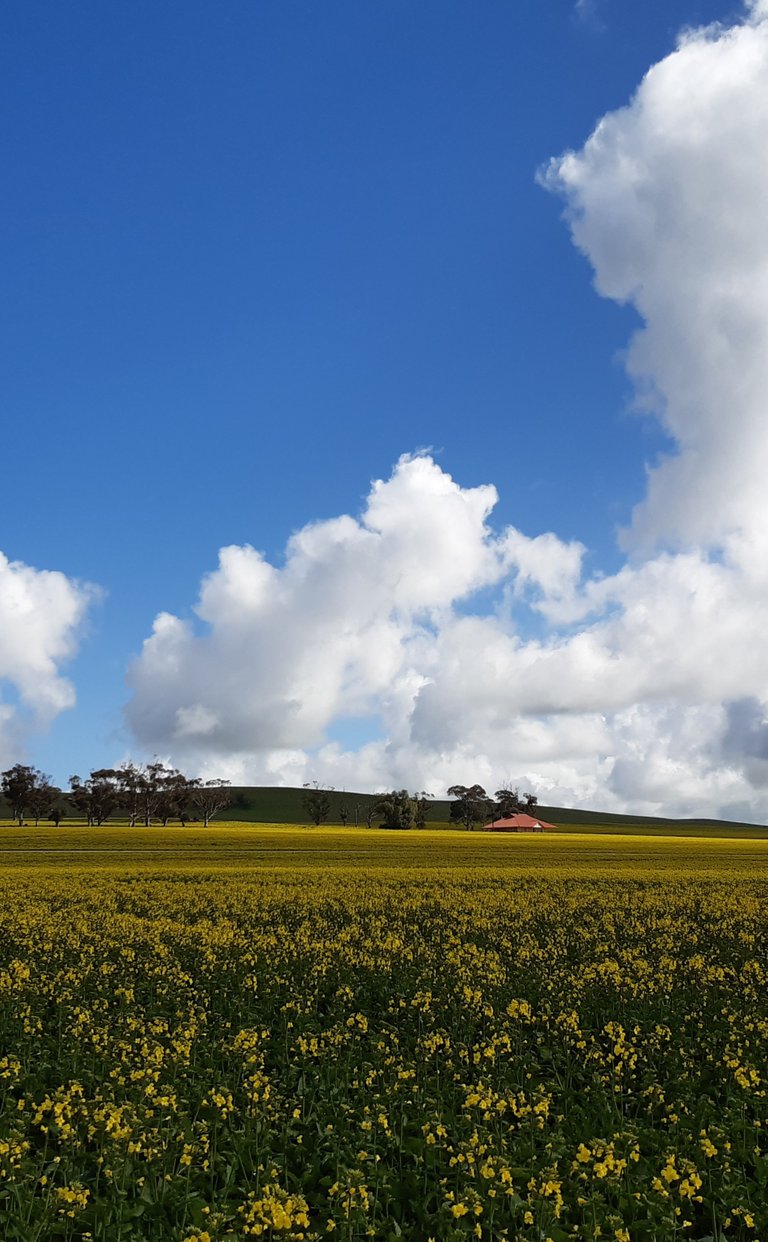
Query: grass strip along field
{"type": "Point", "coordinates": [272, 1033]}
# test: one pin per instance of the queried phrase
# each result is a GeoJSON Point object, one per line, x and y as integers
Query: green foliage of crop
{"type": "Point", "coordinates": [273, 1033]}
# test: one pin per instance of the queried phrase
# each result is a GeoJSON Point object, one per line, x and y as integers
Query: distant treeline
{"type": "Point", "coordinates": [156, 793]}
{"type": "Point", "coordinates": [141, 793]}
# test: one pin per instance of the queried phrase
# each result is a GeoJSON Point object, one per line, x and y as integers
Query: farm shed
{"type": "Point", "coordinates": [519, 823]}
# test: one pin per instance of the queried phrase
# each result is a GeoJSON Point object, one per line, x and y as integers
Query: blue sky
{"type": "Point", "coordinates": [254, 253]}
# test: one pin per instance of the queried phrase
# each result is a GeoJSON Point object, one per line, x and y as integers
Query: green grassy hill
{"type": "Point", "coordinates": [264, 804]}
{"type": "Point", "coordinates": [261, 804]}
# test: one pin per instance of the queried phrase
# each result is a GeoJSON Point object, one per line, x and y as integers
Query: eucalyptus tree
{"type": "Point", "coordinates": [42, 799]}
{"type": "Point", "coordinates": [316, 803]}
{"type": "Point", "coordinates": [20, 785]}
{"type": "Point", "coordinates": [208, 797]}
{"type": "Point", "coordinates": [98, 796]}
{"type": "Point", "coordinates": [471, 806]}
{"type": "Point", "coordinates": [396, 808]}
{"type": "Point", "coordinates": [510, 802]}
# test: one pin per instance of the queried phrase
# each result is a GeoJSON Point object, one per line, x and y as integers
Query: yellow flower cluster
{"type": "Point", "coordinates": [273, 1211]}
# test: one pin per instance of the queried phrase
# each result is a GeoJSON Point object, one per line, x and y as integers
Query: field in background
{"type": "Point", "coordinates": [75, 834]}
{"type": "Point", "coordinates": [285, 846]}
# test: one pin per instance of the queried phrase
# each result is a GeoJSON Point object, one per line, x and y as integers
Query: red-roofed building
{"type": "Point", "coordinates": [519, 823]}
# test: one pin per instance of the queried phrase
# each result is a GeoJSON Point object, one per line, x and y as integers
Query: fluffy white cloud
{"type": "Point", "coordinates": [350, 626]}
{"type": "Point", "coordinates": [668, 200]}
{"type": "Point", "coordinates": [646, 690]}
{"type": "Point", "coordinates": [622, 707]}
{"type": "Point", "coordinates": [41, 612]}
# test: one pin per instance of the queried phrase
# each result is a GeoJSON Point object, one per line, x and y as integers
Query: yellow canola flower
{"type": "Point", "coordinates": [274, 1209]}
{"type": "Point", "coordinates": [292, 1010]}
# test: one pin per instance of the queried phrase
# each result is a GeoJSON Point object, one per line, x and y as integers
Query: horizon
{"type": "Point", "coordinates": [263, 811]}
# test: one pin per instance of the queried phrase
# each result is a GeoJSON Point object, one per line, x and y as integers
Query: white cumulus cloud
{"type": "Point", "coordinates": [668, 199]}
{"type": "Point", "coordinates": [646, 690]}
{"type": "Point", "coordinates": [41, 612]}
{"type": "Point", "coordinates": [348, 627]}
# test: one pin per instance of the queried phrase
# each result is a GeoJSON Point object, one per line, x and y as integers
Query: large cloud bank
{"type": "Point", "coordinates": [41, 612]}
{"type": "Point", "coordinates": [647, 690]}
{"type": "Point", "coordinates": [668, 200]}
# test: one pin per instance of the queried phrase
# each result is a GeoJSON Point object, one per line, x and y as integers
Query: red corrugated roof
{"type": "Point", "coordinates": [518, 821]}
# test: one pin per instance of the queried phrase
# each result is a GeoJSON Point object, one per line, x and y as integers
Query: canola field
{"type": "Point", "coordinates": [271, 1033]}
